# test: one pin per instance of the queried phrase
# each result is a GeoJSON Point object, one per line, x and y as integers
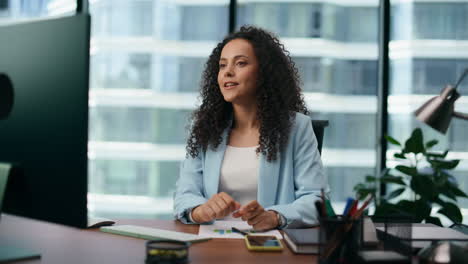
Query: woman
{"type": "Point", "coordinates": [251, 153]}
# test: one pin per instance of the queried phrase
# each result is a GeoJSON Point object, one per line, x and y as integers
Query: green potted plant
{"type": "Point", "coordinates": [423, 176]}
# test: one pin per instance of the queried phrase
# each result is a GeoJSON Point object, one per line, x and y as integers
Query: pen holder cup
{"type": "Point", "coordinates": [340, 239]}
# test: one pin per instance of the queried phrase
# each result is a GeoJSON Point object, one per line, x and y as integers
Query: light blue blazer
{"type": "Point", "coordinates": [289, 185]}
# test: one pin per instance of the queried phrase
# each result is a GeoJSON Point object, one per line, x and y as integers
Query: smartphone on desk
{"type": "Point", "coordinates": [263, 243]}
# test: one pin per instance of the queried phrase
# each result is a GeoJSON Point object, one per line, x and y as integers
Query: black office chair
{"type": "Point", "coordinates": [319, 128]}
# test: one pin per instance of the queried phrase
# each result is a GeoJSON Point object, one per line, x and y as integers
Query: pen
{"type": "Point", "coordinates": [324, 210]}
{"type": "Point", "coordinates": [318, 206]}
{"type": "Point", "coordinates": [364, 206]}
{"type": "Point", "coordinates": [239, 231]}
{"type": "Point", "coordinates": [329, 208]}
{"type": "Point", "coordinates": [349, 202]}
{"type": "Point", "coordinates": [352, 210]}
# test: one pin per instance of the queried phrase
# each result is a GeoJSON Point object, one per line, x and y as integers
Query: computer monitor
{"type": "Point", "coordinates": [45, 135]}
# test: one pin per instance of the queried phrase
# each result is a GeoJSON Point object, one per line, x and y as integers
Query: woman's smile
{"type": "Point", "coordinates": [230, 85]}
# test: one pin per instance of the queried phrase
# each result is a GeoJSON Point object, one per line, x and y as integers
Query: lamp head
{"type": "Point", "coordinates": [438, 111]}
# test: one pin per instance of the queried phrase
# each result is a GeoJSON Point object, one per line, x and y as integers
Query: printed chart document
{"type": "Point", "coordinates": [222, 229]}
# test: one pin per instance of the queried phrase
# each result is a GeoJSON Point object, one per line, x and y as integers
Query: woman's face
{"type": "Point", "coordinates": [238, 70]}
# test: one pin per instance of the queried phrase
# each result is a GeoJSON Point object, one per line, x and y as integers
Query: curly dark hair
{"type": "Point", "coordinates": [278, 96]}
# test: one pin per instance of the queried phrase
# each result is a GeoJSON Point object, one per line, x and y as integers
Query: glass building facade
{"type": "Point", "coordinates": [147, 57]}
{"type": "Point", "coordinates": [334, 45]}
{"type": "Point", "coordinates": [428, 50]}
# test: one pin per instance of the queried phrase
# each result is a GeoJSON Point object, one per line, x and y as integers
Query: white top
{"type": "Point", "coordinates": [239, 175]}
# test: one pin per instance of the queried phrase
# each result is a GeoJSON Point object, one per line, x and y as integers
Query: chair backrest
{"type": "Point", "coordinates": [319, 129]}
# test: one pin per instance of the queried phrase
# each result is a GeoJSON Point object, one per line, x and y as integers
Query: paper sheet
{"type": "Point", "coordinates": [222, 229]}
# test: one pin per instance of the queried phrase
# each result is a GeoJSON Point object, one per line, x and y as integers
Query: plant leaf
{"type": "Point", "coordinates": [439, 201]}
{"type": "Point", "coordinates": [392, 140]}
{"type": "Point", "coordinates": [431, 143]}
{"type": "Point", "coordinates": [449, 177]}
{"type": "Point", "coordinates": [433, 220]}
{"type": "Point", "coordinates": [386, 210]}
{"type": "Point", "coordinates": [451, 211]}
{"type": "Point", "coordinates": [437, 155]}
{"type": "Point", "coordinates": [411, 171]}
{"type": "Point", "coordinates": [447, 192]}
{"type": "Point", "coordinates": [459, 192]}
{"type": "Point", "coordinates": [440, 180]}
{"type": "Point", "coordinates": [424, 186]}
{"type": "Point", "coordinates": [418, 209]}
{"type": "Point", "coordinates": [359, 186]}
{"type": "Point", "coordinates": [395, 193]}
{"type": "Point", "coordinates": [423, 208]}
{"type": "Point", "coordinates": [445, 153]}
{"type": "Point", "coordinates": [415, 143]}
{"type": "Point", "coordinates": [362, 190]}
{"type": "Point", "coordinates": [362, 193]}
{"type": "Point", "coordinates": [444, 164]}
{"type": "Point", "coordinates": [392, 179]}
{"type": "Point", "coordinates": [455, 190]}
{"type": "Point", "coordinates": [370, 178]}
{"type": "Point", "coordinates": [399, 155]}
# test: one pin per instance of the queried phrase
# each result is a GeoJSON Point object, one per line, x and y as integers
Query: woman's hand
{"type": "Point", "coordinates": [257, 217]}
{"type": "Point", "coordinates": [218, 206]}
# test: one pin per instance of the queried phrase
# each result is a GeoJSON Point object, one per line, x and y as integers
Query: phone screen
{"type": "Point", "coordinates": [263, 241]}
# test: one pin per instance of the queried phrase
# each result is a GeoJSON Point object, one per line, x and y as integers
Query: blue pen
{"type": "Point", "coordinates": [349, 202]}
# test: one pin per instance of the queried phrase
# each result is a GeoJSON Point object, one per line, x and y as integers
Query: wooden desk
{"type": "Point", "coordinates": [61, 244]}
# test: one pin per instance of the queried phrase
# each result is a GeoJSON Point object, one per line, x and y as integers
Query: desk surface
{"type": "Point", "coordinates": [61, 244]}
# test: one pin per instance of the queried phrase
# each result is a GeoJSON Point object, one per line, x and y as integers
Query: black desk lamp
{"type": "Point", "coordinates": [439, 110]}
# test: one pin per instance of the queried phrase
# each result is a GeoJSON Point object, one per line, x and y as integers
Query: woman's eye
{"type": "Point", "coordinates": [241, 63]}
{"type": "Point", "coordinates": [222, 65]}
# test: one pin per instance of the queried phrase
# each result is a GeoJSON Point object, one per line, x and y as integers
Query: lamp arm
{"type": "Point", "coordinates": [460, 115]}
{"type": "Point", "coordinates": [461, 78]}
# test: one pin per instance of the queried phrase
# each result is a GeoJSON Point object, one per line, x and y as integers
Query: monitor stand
{"type": "Point", "coordinates": [7, 252]}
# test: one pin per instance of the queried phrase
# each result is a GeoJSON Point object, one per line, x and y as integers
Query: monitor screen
{"type": "Point", "coordinates": [45, 133]}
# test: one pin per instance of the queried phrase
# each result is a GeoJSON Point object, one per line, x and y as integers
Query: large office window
{"type": "Point", "coordinates": [147, 57]}
{"type": "Point", "coordinates": [334, 45]}
{"type": "Point", "coordinates": [146, 61]}
{"type": "Point", "coordinates": [429, 50]}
